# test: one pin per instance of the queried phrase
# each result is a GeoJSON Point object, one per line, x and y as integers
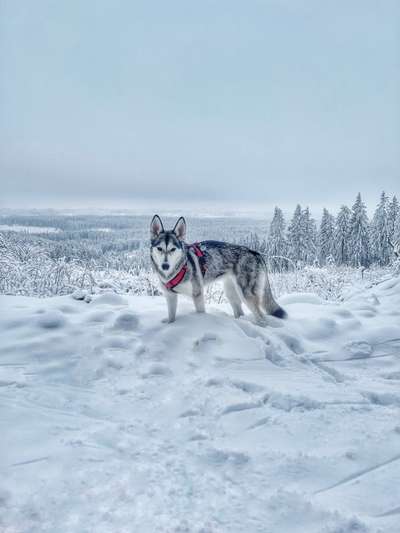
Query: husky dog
{"type": "Point", "coordinates": [186, 268]}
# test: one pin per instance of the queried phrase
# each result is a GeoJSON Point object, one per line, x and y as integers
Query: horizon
{"type": "Point", "coordinates": [196, 210]}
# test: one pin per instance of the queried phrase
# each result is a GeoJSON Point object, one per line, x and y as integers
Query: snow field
{"type": "Point", "coordinates": [113, 421]}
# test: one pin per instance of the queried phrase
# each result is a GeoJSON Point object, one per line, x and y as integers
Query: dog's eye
{"type": "Point", "coordinates": [172, 249]}
{"type": "Point", "coordinates": [159, 248]}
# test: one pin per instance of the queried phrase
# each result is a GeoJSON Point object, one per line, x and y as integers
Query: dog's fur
{"type": "Point", "coordinates": [242, 270]}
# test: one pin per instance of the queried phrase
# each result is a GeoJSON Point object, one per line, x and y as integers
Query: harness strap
{"type": "Point", "coordinates": [177, 279]}
{"type": "Point", "coordinates": [196, 249]}
{"type": "Point", "coordinates": [200, 254]}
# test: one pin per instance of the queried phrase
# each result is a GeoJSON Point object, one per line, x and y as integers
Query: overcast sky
{"type": "Point", "coordinates": [264, 102]}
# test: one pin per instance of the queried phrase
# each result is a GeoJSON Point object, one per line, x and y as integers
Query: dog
{"type": "Point", "coordinates": [186, 268]}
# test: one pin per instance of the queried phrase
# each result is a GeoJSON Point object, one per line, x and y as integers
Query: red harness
{"type": "Point", "coordinates": [177, 279]}
{"type": "Point", "coordinates": [174, 282]}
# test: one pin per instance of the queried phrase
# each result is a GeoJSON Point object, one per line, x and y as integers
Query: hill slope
{"type": "Point", "coordinates": [113, 421]}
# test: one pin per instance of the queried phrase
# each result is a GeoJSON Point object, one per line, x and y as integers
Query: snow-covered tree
{"type": "Point", "coordinates": [277, 245]}
{"type": "Point", "coordinates": [380, 248]}
{"type": "Point", "coordinates": [395, 239]}
{"type": "Point", "coordinates": [393, 214]}
{"type": "Point", "coordinates": [302, 236]}
{"type": "Point", "coordinates": [359, 234]}
{"type": "Point", "coordinates": [342, 236]}
{"type": "Point", "coordinates": [309, 237]}
{"type": "Point", "coordinates": [295, 235]}
{"type": "Point", "coordinates": [396, 231]}
{"type": "Point", "coordinates": [325, 237]}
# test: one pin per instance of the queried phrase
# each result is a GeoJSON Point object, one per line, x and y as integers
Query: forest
{"type": "Point", "coordinates": [45, 254]}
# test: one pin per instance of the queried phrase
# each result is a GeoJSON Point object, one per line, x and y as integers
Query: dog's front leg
{"type": "Point", "coordinates": [198, 300]}
{"type": "Point", "coordinates": [172, 300]}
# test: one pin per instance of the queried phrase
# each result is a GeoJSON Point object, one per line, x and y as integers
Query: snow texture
{"type": "Point", "coordinates": [112, 421]}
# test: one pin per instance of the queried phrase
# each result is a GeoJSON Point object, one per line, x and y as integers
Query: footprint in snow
{"type": "Point", "coordinates": [205, 340]}
{"type": "Point", "coordinates": [68, 309]}
{"type": "Point", "coordinates": [120, 343]}
{"type": "Point", "coordinates": [367, 314]}
{"type": "Point", "coordinates": [109, 298]}
{"type": "Point", "coordinates": [343, 313]}
{"type": "Point", "coordinates": [127, 321]}
{"type": "Point", "coordinates": [198, 436]}
{"type": "Point", "coordinates": [373, 299]}
{"type": "Point", "coordinates": [358, 349]}
{"type": "Point", "coordinates": [156, 369]}
{"type": "Point", "coordinates": [214, 382]}
{"type": "Point", "coordinates": [322, 328]}
{"type": "Point", "coordinates": [273, 356]}
{"type": "Point", "coordinates": [247, 386]}
{"type": "Point", "coordinates": [115, 361]}
{"type": "Point", "coordinates": [51, 320]}
{"type": "Point", "coordinates": [190, 412]}
{"type": "Point", "coordinates": [99, 316]}
{"type": "Point", "coordinates": [220, 457]}
{"type": "Point", "coordinates": [291, 342]}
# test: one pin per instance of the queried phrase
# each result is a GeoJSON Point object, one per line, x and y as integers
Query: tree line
{"type": "Point", "coordinates": [349, 238]}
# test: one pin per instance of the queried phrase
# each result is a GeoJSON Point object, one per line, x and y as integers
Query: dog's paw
{"type": "Point", "coordinates": [262, 322]}
{"type": "Point", "coordinates": [167, 320]}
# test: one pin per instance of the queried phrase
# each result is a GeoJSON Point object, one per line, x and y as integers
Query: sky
{"type": "Point", "coordinates": [245, 105]}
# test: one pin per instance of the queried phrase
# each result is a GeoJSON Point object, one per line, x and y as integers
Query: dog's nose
{"type": "Point", "coordinates": [165, 266]}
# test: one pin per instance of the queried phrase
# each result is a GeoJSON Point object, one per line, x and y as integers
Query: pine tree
{"type": "Point", "coordinates": [294, 236]}
{"type": "Point", "coordinates": [393, 214]}
{"type": "Point", "coordinates": [359, 234]}
{"type": "Point", "coordinates": [308, 237]}
{"type": "Point", "coordinates": [396, 230]}
{"type": "Point", "coordinates": [380, 232]}
{"type": "Point", "coordinates": [342, 236]}
{"type": "Point", "coordinates": [395, 240]}
{"type": "Point", "coordinates": [277, 245]}
{"type": "Point", "coordinates": [325, 237]}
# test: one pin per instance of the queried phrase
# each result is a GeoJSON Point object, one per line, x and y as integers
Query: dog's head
{"type": "Point", "coordinates": [167, 246]}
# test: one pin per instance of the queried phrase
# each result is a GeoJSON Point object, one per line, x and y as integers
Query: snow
{"type": "Point", "coordinates": [112, 421]}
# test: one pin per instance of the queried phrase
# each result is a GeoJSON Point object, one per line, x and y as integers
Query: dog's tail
{"type": "Point", "coordinates": [279, 312]}
{"type": "Point", "coordinates": [270, 305]}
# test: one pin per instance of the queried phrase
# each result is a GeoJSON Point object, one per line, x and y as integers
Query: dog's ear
{"type": "Point", "coordinates": [180, 229]}
{"type": "Point", "coordinates": [156, 227]}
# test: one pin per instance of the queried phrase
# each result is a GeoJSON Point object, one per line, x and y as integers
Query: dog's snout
{"type": "Point", "coordinates": [165, 266]}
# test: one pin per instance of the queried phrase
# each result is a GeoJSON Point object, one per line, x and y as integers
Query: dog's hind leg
{"type": "Point", "coordinates": [233, 296]}
{"type": "Point", "coordinates": [254, 304]}
{"type": "Point", "coordinates": [252, 293]}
